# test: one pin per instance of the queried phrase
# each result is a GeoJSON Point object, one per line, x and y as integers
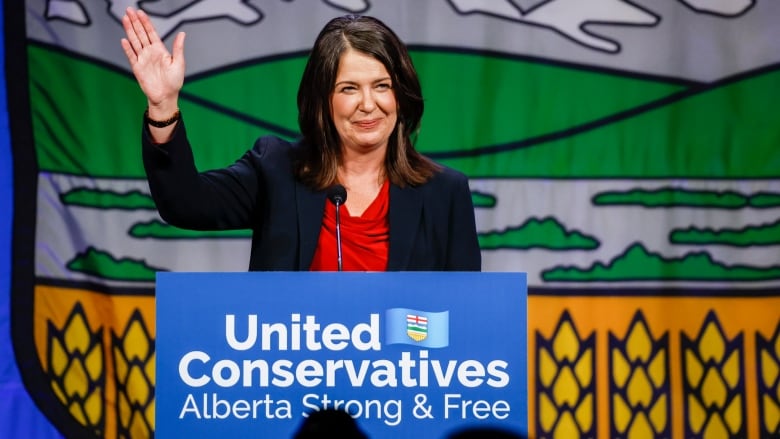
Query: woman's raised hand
{"type": "Point", "coordinates": [159, 72]}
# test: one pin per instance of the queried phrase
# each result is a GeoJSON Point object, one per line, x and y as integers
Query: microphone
{"type": "Point", "coordinates": [338, 195]}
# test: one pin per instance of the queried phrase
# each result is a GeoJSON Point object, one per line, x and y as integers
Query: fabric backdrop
{"type": "Point", "coordinates": [622, 153]}
{"type": "Point", "coordinates": [19, 417]}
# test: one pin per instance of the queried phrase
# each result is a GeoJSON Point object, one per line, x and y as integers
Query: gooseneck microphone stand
{"type": "Point", "coordinates": [337, 194]}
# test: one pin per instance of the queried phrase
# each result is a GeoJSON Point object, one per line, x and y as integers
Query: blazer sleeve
{"type": "Point", "coordinates": [463, 253]}
{"type": "Point", "coordinates": [213, 200]}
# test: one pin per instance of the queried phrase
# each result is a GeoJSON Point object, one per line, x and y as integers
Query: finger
{"type": "Point", "coordinates": [139, 28]}
{"type": "Point", "coordinates": [178, 46]}
{"type": "Point", "coordinates": [129, 51]}
{"type": "Point", "coordinates": [132, 38]}
{"type": "Point", "coordinates": [149, 29]}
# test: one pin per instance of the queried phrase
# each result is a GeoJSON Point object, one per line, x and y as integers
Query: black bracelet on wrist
{"type": "Point", "coordinates": [161, 123]}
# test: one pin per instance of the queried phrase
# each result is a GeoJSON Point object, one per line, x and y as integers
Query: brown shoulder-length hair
{"type": "Point", "coordinates": [318, 165]}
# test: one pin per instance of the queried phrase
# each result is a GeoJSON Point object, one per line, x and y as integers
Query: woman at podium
{"type": "Point", "coordinates": [352, 194]}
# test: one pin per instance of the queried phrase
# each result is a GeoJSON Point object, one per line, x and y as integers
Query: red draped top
{"type": "Point", "coordinates": [364, 238]}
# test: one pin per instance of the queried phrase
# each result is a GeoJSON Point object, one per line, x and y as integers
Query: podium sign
{"type": "Point", "coordinates": [406, 354]}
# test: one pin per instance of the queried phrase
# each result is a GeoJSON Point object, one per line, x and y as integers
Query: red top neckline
{"type": "Point", "coordinates": [364, 238]}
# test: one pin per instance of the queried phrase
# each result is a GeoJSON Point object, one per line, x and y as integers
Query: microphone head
{"type": "Point", "coordinates": [337, 194]}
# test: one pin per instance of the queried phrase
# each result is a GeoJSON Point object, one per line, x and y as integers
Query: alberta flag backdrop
{"type": "Point", "coordinates": [624, 153]}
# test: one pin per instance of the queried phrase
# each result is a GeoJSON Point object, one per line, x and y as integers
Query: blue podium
{"type": "Point", "coordinates": [406, 354]}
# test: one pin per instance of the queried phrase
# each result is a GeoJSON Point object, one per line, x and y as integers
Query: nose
{"type": "Point", "coordinates": [367, 101]}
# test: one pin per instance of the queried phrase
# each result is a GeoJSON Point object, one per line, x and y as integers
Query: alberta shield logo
{"type": "Point", "coordinates": [419, 328]}
{"type": "Point", "coordinates": [416, 327]}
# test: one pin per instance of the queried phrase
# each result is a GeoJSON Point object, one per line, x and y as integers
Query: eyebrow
{"type": "Point", "coordinates": [387, 78]}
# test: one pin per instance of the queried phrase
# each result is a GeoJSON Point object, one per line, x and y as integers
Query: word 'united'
{"type": "Point", "coordinates": [307, 334]}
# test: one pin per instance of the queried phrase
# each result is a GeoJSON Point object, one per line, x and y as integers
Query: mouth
{"type": "Point", "coordinates": [367, 124]}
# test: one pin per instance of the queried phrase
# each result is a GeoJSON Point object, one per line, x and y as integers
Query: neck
{"type": "Point", "coordinates": [362, 167]}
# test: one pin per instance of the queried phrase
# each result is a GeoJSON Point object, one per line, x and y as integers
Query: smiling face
{"type": "Point", "coordinates": [363, 105]}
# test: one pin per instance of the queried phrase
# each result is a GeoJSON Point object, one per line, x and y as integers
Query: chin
{"type": "Point", "coordinates": [371, 142]}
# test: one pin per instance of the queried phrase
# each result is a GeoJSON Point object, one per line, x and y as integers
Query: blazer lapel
{"type": "Point", "coordinates": [311, 208]}
{"type": "Point", "coordinates": [405, 211]}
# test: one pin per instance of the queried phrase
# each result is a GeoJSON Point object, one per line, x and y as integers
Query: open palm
{"type": "Point", "coordinates": [159, 73]}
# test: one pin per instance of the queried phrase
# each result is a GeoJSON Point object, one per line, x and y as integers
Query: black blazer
{"type": "Point", "coordinates": [432, 226]}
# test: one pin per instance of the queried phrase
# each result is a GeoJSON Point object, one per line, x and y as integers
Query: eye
{"type": "Point", "coordinates": [384, 86]}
